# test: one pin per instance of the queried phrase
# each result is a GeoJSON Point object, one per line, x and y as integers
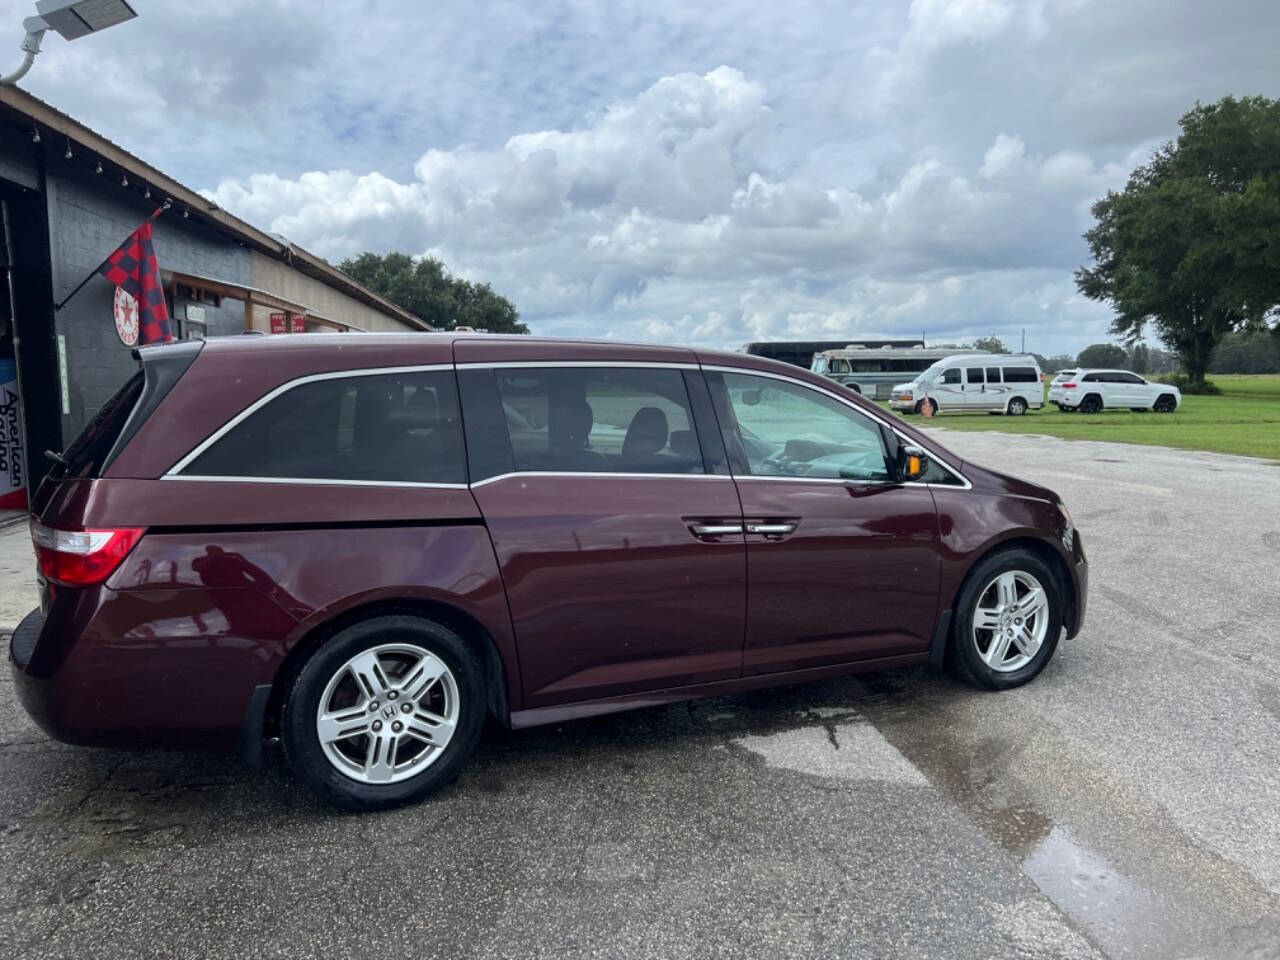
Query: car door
{"type": "Point", "coordinates": [948, 389]}
{"type": "Point", "coordinates": [1135, 391]}
{"type": "Point", "coordinates": [615, 522]}
{"type": "Point", "coordinates": [975, 389]}
{"type": "Point", "coordinates": [842, 561]}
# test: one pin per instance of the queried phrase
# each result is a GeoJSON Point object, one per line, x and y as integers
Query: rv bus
{"type": "Point", "coordinates": [874, 372]}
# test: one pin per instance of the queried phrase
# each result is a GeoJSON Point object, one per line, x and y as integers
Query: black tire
{"type": "Point", "coordinates": [1091, 404]}
{"type": "Point", "coordinates": [302, 701]}
{"type": "Point", "coordinates": [1165, 403]}
{"type": "Point", "coordinates": [1017, 407]}
{"type": "Point", "coordinates": [963, 656]}
{"type": "Point", "coordinates": [932, 404]}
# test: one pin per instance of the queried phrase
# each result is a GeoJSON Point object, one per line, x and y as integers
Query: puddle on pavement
{"type": "Point", "coordinates": [1154, 916]}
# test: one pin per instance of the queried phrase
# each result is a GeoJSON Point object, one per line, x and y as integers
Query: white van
{"type": "Point", "coordinates": [995, 382]}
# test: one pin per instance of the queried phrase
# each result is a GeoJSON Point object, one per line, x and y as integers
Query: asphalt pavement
{"type": "Point", "coordinates": [1126, 804]}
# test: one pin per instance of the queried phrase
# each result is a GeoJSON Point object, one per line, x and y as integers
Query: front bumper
{"type": "Point", "coordinates": [907, 402]}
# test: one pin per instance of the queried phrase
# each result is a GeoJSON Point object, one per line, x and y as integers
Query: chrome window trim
{"type": "Point", "coordinates": [748, 371]}
{"type": "Point", "coordinates": [613, 364]}
{"type": "Point", "coordinates": [285, 387]}
{"type": "Point", "coordinates": [316, 481]}
{"type": "Point", "coordinates": [600, 474]}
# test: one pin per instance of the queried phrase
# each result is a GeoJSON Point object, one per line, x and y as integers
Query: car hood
{"type": "Point", "coordinates": [909, 385]}
{"type": "Point", "coordinates": [993, 481]}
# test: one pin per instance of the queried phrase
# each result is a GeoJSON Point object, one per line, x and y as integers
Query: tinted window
{"type": "Point", "coordinates": [993, 374]}
{"type": "Point", "coordinates": [791, 431]}
{"type": "Point", "coordinates": [951, 376]}
{"type": "Point", "coordinates": [1128, 378]}
{"type": "Point", "coordinates": [1093, 378]}
{"type": "Point", "coordinates": [400, 427]}
{"type": "Point", "coordinates": [973, 375]}
{"type": "Point", "coordinates": [1020, 375]}
{"type": "Point", "coordinates": [88, 452]}
{"type": "Point", "coordinates": [586, 420]}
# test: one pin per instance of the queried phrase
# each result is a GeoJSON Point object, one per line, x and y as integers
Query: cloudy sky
{"type": "Point", "coordinates": [701, 173]}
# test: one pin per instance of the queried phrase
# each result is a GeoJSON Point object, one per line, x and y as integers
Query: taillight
{"type": "Point", "coordinates": [1067, 386]}
{"type": "Point", "coordinates": [81, 558]}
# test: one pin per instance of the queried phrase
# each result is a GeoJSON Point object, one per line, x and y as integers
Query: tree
{"type": "Point", "coordinates": [992, 344]}
{"type": "Point", "coordinates": [1055, 363]}
{"type": "Point", "coordinates": [1246, 353]}
{"type": "Point", "coordinates": [1139, 359]}
{"type": "Point", "coordinates": [426, 289]}
{"type": "Point", "coordinates": [1102, 355]}
{"type": "Point", "coordinates": [1192, 244]}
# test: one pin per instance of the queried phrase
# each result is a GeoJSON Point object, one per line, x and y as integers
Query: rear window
{"type": "Point", "coordinates": [384, 428]}
{"type": "Point", "coordinates": [88, 453]}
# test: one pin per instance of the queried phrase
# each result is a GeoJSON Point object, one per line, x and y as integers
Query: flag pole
{"type": "Point", "coordinates": [94, 272]}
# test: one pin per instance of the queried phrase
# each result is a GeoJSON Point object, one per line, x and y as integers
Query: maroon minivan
{"type": "Point", "coordinates": [364, 545]}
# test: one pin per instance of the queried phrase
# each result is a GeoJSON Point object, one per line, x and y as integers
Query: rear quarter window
{"type": "Point", "coordinates": [1020, 375]}
{"type": "Point", "coordinates": [400, 427]}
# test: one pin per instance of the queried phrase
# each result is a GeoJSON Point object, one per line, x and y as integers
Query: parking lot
{"type": "Point", "coordinates": [1126, 804]}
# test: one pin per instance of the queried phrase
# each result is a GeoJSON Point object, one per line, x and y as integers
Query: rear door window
{"type": "Point", "coordinates": [993, 374]}
{"type": "Point", "coordinates": [973, 375]}
{"type": "Point", "coordinates": [399, 427]}
{"type": "Point", "coordinates": [599, 420]}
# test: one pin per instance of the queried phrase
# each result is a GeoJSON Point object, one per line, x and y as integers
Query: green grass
{"type": "Point", "coordinates": [1244, 419]}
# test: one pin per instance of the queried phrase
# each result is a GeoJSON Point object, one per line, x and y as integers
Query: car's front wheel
{"type": "Point", "coordinates": [1008, 617]}
{"type": "Point", "coordinates": [384, 713]}
{"type": "Point", "coordinates": [1166, 403]}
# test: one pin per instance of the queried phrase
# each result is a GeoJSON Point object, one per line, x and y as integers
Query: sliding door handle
{"type": "Point", "coordinates": [775, 529]}
{"type": "Point", "coordinates": [715, 529]}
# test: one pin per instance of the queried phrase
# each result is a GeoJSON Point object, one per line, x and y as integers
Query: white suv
{"type": "Point", "coordinates": [1091, 391]}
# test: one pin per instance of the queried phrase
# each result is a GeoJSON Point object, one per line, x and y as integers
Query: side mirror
{"type": "Point", "coordinates": [751, 397]}
{"type": "Point", "coordinates": [912, 462]}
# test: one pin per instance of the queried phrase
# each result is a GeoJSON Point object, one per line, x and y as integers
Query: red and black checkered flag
{"type": "Point", "coordinates": [133, 267]}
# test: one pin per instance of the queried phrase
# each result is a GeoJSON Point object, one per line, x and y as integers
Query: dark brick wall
{"type": "Point", "coordinates": [89, 215]}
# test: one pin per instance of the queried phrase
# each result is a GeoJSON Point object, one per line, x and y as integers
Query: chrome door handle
{"type": "Point", "coordinates": [715, 529]}
{"type": "Point", "coordinates": [773, 528]}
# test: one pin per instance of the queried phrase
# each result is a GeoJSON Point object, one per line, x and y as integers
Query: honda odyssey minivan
{"type": "Point", "coordinates": [366, 545]}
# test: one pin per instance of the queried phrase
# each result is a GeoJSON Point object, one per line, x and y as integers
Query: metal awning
{"type": "Point", "coordinates": [236, 291]}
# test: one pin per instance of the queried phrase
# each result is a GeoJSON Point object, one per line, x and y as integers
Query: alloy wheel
{"type": "Point", "coordinates": [1165, 404]}
{"type": "Point", "coordinates": [1010, 621]}
{"type": "Point", "coordinates": [1017, 407]}
{"type": "Point", "coordinates": [388, 713]}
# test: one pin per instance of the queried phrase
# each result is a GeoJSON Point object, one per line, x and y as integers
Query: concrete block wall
{"type": "Point", "coordinates": [89, 217]}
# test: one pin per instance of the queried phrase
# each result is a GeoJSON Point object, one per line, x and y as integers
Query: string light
{"type": "Point", "coordinates": [35, 135]}
{"type": "Point", "coordinates": [147, 195]}
{"type": "Point", "coordinates": [99, 169]}
{"type": "Point", "coordinates": [67, 155]}
{"type": "Point", "coordinates": [124, 179]}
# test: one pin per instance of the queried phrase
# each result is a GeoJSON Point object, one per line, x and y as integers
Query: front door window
{"type": "Point", "coordinates": [791, 431]}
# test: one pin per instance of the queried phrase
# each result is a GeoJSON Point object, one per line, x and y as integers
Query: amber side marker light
{"type": "Point", "coordinates": [81, 558]}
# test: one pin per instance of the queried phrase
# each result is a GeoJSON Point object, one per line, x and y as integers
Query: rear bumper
{"type": "Point", "coordinates": [81, 688]}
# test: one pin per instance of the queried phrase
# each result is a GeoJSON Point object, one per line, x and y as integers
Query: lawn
{"type": "Point", "coordinates": [1245, 419]}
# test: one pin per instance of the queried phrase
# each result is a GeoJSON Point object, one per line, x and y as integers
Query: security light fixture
{"type": "Point", "coordinates": [124, 180]}
{"type": "Point", "coordinates": [99, 167]}
{"type": "Point", "coordinates": [70, 18]}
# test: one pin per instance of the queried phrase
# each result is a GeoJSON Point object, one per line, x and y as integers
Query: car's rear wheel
{"type": "Point", "coordinates": [384, 713]}
{"type": "Point", "coordinates": [1091, 404]}
{"type": "Point", "coordinates": [1008, 616]}
{"type": "Point", "coordinates": [933, 407]}
{"type": "Point", "coordinates": [1017, 407]}
{"type": "Point", "coordinates": [1165, 403]}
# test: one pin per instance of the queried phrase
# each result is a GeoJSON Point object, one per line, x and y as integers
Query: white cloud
{"type": "Point", "coordinates": [676, 171]}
